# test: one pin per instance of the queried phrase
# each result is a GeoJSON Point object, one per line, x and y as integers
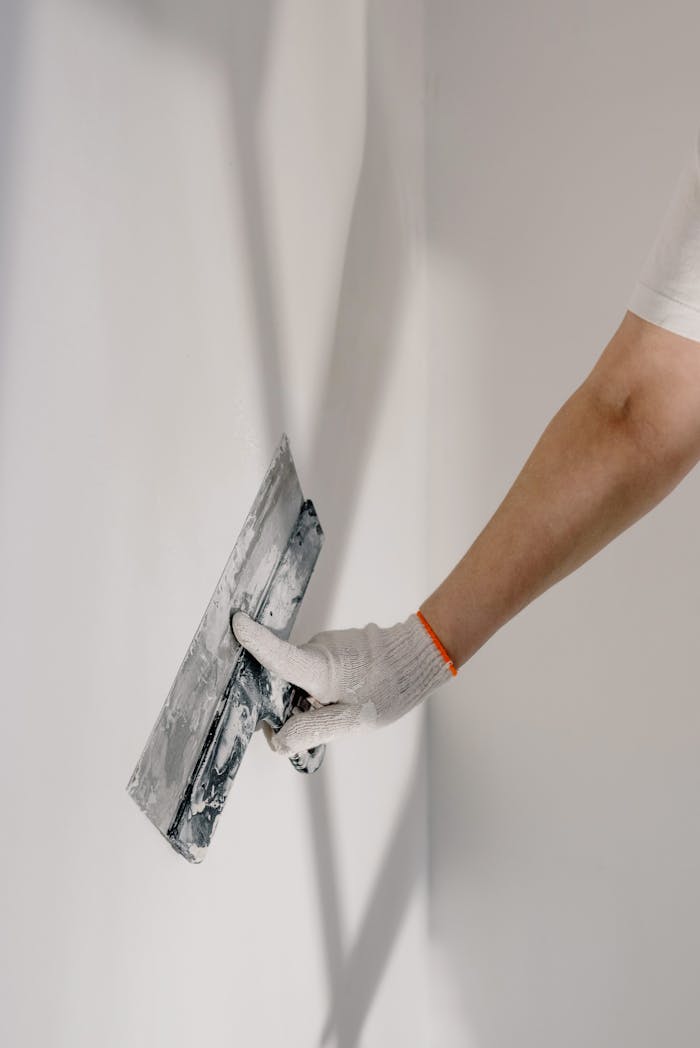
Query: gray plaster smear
{"type": "Point", "coordinates": [220, 692]}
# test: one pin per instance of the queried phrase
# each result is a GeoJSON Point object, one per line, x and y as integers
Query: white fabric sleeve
{"type": "Point", "coordinates": [667, 292]}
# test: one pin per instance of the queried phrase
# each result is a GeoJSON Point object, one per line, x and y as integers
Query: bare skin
{"type": "Point", "coordinates": [616, 448]}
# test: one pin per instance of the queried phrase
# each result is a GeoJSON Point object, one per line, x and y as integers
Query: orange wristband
{"type": "Point", "coordinates": [437, 642]}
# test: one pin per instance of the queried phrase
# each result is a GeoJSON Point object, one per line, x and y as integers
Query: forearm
{"type": "Point", "coordinates": [620, 443]}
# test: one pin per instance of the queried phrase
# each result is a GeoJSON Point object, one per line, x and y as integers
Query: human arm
{"type": "Point", "coordinates": [616, 448]}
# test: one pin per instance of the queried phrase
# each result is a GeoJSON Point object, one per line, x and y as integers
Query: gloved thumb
{"type": "Point", "coordinates": [303, 731]}
{"type": "Point", "coordinates": [306, 667]}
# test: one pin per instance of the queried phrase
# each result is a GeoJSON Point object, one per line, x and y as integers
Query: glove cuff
{"type": "Point", "coordinates": [437, 642]}
{"type": "Point", "coordinates": [419, 664]}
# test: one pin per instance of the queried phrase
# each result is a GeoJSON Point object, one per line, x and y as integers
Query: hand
{"type": "Point", "coordinates": [355, 678]}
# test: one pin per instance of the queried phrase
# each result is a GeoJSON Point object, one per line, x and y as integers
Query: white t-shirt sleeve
{"type": "Point", "coordinates": [667, 292]}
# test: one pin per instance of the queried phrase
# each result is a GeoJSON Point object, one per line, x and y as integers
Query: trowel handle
{"type": "Point", "coordinates": [310, 760]}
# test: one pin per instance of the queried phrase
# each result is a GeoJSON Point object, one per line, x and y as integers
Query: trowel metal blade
{"type": "Point", "coordinates": [220, 692]}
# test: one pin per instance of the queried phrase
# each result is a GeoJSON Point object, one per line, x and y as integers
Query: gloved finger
{"type": "Point", "coordinates": [269, 732]}
{"type": "Point", "coordinates": [303, 731]}
{"type": "Point", "coordinates": [305, 667]}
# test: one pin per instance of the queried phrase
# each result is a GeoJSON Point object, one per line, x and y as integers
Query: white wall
{"type": "Point", "coordinates": [211, 229]}
{"type": "Point", "coordinates": [564, 785]}
{"type": "Point", "coordinates": [211, 218]}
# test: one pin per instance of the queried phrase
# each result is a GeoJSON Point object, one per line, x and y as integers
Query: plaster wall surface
{"type": "Point", "coordinates": [564, 773]}
{"type": "Point", "coordinates": [211, 222]}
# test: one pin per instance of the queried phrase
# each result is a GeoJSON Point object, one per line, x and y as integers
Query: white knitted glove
{"type": "Point", "coordinates": [355, 678]}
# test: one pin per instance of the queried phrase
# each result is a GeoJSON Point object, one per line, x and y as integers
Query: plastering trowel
{"type": "Point", "coordinates": [220, 692]}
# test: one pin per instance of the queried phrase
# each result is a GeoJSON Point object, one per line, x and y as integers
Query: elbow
{"type": "Point", "coordinates": [658, 442]}
{"type": "Point", "coordinates": [646, 393]}
{"type": "Point", "coordinates": [630, 417]}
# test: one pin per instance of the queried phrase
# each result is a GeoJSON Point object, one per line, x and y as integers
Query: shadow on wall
{"type": "Point", "coordinates": [367, 315]}
{"type": "Point", "coordinates": [10, 50]}
{"type": "Point", "coordinates": [374, 275]}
